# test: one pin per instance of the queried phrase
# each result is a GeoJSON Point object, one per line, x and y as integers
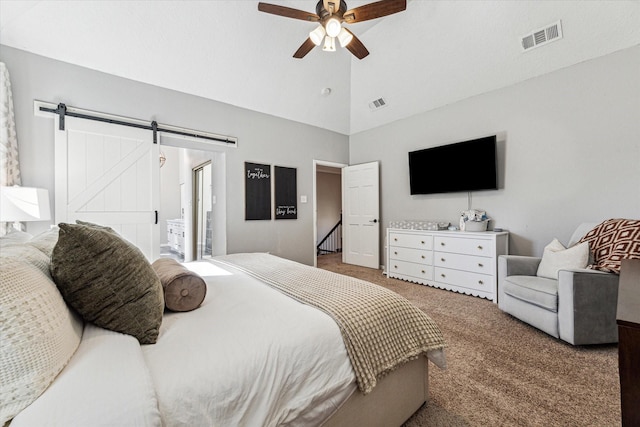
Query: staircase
{"type": "Point", "coordinates": [332, 242]}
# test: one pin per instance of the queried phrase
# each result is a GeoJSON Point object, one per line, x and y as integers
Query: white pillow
{"type": "Point", "coordinates": [556, 257]}
{"type": "Point", "coordinates": [14, 237]}
{"type": "Point", "coordinates": [38, 334]}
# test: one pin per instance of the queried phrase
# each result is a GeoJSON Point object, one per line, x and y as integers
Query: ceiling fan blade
{"type": "Point", "coordinates": [304, 49]}
{"type": "Point", "coordinates": [374, 10]}
{"type": "Point", "coordinates": [288, 12]}
{"type": "Point", "coordinates": [356, 47]}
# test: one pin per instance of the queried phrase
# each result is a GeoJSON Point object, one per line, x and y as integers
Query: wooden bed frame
{"type": "Point", "coordinates": [393, 400]}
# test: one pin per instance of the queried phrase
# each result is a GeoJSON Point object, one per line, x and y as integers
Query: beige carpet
{"type": "Point", "coordinates": [502, 372]}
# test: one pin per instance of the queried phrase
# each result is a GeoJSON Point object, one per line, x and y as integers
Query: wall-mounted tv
{"type": "Point", "coordinates": [463, 166]}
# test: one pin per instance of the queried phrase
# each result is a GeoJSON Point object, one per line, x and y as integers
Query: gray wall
{"type": "Point", "coordinates": [262, 138]}
{"type": "Point", "coordinates": [569, 152]}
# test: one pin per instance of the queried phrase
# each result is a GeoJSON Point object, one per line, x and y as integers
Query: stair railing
{"type": "Point", "coordinates": [332, 242]}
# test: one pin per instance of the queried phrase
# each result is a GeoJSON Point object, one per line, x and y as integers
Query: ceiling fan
{"type": "Point", "coordinates": [331, 14]}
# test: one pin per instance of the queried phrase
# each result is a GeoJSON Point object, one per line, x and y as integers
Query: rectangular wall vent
{"type": "Point", "coordinates": [542, 36]}
{"type": "Point", "coordinates": [377, 104]}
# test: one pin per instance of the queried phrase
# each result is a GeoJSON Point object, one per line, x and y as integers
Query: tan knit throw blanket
{"type": "Point", "coordinates": [381, 329]}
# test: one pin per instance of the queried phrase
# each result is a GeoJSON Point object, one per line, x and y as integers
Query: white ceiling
{"type": "Point", "coordinates": [431, 55]}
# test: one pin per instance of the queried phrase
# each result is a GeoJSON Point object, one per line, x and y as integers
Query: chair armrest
{"type": "Point", "coordinates": [514, 265]}
{"type": "Point", "coordinates": [587, 305]}
{"type": "Point", "coordinates": [517, 265]}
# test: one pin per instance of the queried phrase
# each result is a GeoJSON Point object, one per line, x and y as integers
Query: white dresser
{"type": "Point", "coordinates": [460, 261]}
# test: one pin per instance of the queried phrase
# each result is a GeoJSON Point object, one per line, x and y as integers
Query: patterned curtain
{"type": "Point", "coordinates": [9, 166]}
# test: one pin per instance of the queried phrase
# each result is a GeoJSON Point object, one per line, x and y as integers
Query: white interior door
{"type": "Point", "coordinates": [109, 174]}
{"type": "Point", "coordinates": [361, 210]}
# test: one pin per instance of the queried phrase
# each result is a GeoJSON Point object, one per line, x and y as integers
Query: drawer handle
{"type": "Point", "coordinates": [442, 259]}
{"type": "Point", "coordinates": [480, 282]}
{"type": "Point", "coordinates": [442, 275]}
{"type": "Point", "coordinates": [395, 252]}
{"type": "Point", "coordinates": [395, 266]}
{"type": "Point", "coordinates": [422, 271]}
{"type": "Point", "coordinates": [422, 257]}
{"type": "Point", "coordinates": [479, 247]}
{"type": "Point", "coordinates": [441, 243]}
{"type": "Point", "coordinates": [395, 239]}
{"type": "Point", "coordinates": [480, 264]}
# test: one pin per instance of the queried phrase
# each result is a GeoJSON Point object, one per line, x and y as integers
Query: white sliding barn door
{"type": "Point", "coordinates": [361, 206]}
{"type": "Point", "coordinates": [109, 174]}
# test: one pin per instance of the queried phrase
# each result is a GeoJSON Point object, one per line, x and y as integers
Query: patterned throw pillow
{"type": "Point", "coordinates": [108, 281]}
{"type": "Point", "coordinates": [612, 241]}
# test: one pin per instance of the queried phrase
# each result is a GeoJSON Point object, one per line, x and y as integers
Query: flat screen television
{"type": "Point", "coordinates": [460, 167]}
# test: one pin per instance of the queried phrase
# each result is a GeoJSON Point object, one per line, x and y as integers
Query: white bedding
{"type": "Point", "coordinates": [106, 383]}
{"type": "Point", "coordinates": [249, 356]}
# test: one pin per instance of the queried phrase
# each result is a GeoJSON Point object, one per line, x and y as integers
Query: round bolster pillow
{"type": "Point", "coordinates": [184, 290]}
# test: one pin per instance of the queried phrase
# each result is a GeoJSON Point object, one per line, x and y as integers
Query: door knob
{"type": "Point", "coordinates": [373, 220]}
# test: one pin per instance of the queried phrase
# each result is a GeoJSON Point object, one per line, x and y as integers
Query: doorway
{"type": "Point", "coordinates": [193, 197]}
{"type": "Point", "coordinates": [202, 208]}
{"type": "Point", "coordinates": [327, 209]}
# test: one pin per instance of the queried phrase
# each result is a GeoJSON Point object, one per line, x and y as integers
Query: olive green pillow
{"type": "Point", "coordinates": [108, 281]}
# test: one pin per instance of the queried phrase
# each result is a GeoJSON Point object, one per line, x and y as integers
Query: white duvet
{"type": "Point", "coordinates": [249, 356]}
{"type": "Point", "coordinates": [106, 383]}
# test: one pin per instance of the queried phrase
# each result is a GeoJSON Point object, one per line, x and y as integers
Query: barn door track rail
{"type": "Point", "coordinates": [63, 110]}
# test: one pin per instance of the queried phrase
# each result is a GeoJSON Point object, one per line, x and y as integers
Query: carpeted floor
{"type": "Point", "coordinates": [501, 371]}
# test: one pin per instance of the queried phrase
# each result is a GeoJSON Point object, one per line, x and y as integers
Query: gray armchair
{"type": "Point", "coordinates": [579, 307]}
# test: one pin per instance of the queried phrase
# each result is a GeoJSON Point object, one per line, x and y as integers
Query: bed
{"type": "Point", "coordinates": [257, 351]}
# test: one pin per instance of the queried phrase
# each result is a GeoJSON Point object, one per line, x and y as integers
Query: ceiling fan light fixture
{"type": "Point", "coordinates": [317, 35]}
{"type": "Point", "coordinates": [333, 27]}
{"type": "Point", "coordinates": [331, 14]}
{"type": "Point", "coordinates": [329, 44]}
{"type": "Point", "coordinates": [345, 37]}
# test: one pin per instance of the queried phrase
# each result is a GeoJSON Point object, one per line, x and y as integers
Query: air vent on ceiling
{"type": "Point", "coordinates": [542, 36]}
{"type": "Point", "coordinates": [377, 104]}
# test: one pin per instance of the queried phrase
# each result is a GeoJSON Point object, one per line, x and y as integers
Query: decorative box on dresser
{"type": "Point", "coordinates": [458, 261]}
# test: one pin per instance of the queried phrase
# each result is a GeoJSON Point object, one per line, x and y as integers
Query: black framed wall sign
{"type": "Point", "coordinates": [286, 193]}
{"type": "Point", "coordinates": [257, 191]}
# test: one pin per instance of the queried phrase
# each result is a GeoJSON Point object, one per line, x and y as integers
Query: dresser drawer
{"type": "Point", "coordinates": [411, 255]}
{"type": "Point", "coordinates": [415, 241]}
{"type": "Point", "coordinates": [479, 247]}
{"type": "Point", "coordinates": [411, 269]}
{"type": "Point", "coordinates": [481, 282]}
{"type": "Point", "coordinates": [476, 264]}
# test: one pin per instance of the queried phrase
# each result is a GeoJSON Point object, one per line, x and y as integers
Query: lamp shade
{"type": "Point", "coordinates": [345, 37]}
{"type": "Point", "coordinates": [317, 35]}
{"type": "Point", "coordinates": [19, 204]}
{"type": "Point", "coordinates": [333, 27]}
